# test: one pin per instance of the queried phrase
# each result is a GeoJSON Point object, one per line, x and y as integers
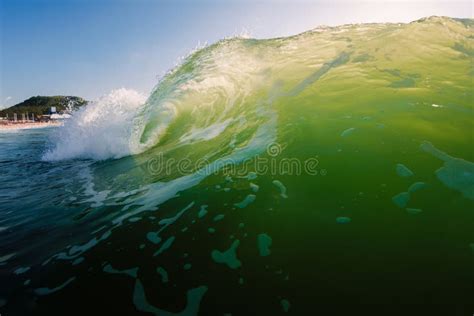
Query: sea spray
{"type": "Point", "coordinates": [100, 130]}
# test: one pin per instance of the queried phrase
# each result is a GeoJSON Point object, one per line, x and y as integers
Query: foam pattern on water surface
{"type": "Point", "coordinates": [456, 173]}
{"type": "Point", "coordinates": [416, 187]}
{"type": "Point", "coordinates": [285, 304]}
{"type": "Point", "coordinates": [202, 211]}
{"type": "Point", "coordinates": [167, 244]}
{"type": "Point", "coordinates": [348, 132]}
{"type": "Point", "coordinates": [130, 272]}
{"type": "Point", "coordinates": [228, 257]}
{"type": "Point", "coordinates": [163, 273]}
{"type": "Point", "coordinates": [401, 199]}
{"type": "Point", "coordinates": [264, 244]}
{"type": "Point", "coordinates": [194, 297]}
{"type": "Point", "coordinates": [46, 290]}
{"type": "Point", "coordinates": [403, 171]}
{"type": "Point", "coordinates": [281, 187]}
{"type": "Point", "coordinates": [218, 217]}
{"type": "Point", "coordinates": [343, 220]}
{"type": "Point", "coordinates": [246, 201]}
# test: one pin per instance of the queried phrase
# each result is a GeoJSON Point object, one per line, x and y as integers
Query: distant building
{"type": "Point", "coordinates": [60, 117]}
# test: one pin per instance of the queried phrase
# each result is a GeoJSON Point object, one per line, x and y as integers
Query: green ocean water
{"type": "Point", "coordinates": [325, 173]}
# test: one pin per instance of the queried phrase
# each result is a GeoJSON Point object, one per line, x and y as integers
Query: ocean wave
{"type": "Point", "coordinates": [100, 130]}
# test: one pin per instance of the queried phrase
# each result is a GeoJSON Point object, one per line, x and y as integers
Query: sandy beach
{"type": "Point", "coordinates": [28, 125]}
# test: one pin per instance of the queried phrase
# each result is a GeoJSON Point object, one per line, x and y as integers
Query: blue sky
{"type": "Point", "coordinates": [89, 47]}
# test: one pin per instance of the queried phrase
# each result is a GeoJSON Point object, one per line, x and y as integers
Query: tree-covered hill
{"type": "Point", "coordinates": [42, 105]}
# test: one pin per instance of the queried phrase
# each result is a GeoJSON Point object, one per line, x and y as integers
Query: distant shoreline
{"type": "Point", "coordinates": [28, 125]}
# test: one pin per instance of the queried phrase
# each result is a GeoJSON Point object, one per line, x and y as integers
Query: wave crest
{"type": "Point", "coordinates": [100, 130]}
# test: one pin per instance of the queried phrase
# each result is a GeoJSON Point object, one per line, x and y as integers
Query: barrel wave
{"type": "Point", "coordinates": [320, 172]}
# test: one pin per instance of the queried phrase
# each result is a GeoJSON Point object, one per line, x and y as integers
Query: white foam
{"type": "Point", "coordinates": [6, 257]}
{"type": "Point", "coordinates": [282, 188]}
{"type": "Point", "coordinates": [100, 130]}
{"type": "Point", "coordinates": [21, 270]}
{"type": "Point", "coordinates": [46, 291]}
{"type": "Point", "coordinates": [207, 133]}
{"type": "Point", "coordinates": [193, 298]}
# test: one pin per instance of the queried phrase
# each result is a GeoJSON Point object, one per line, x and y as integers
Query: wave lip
{"type": "Point", "coordinates": [100, 130]}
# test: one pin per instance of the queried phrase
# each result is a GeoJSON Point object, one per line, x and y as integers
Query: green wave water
{"type": "Point", "coordinates": [325, 173]}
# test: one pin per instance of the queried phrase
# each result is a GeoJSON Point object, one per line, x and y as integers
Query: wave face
{"type": "Point", "coordinates": [211, 92]}
{"type": "Point", "coordinates": [258, 177]}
